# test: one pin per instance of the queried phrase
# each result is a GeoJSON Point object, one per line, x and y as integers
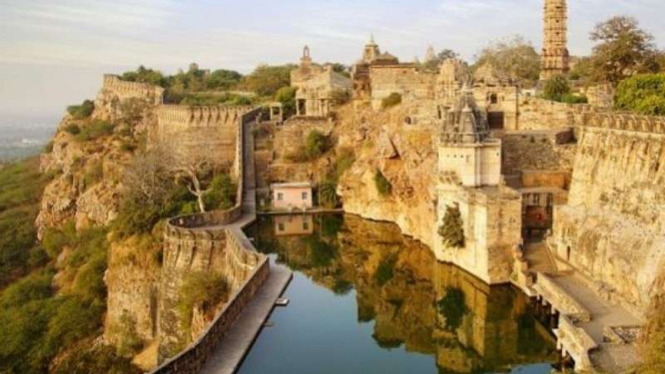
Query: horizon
{"type": "Point", "coordinates": [54, 55]}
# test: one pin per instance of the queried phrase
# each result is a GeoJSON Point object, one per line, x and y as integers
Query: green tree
{"type": "Point", "coordinates": [328, 194]}
{"type": "Point", "coordinates": [513, 57]}
{"type": "Point", "coordinates": [623, 49]}
{"type": "Point", "coordinates": [145, 75]}
{"type": "Point", "coordinates": [316, 145]}
{"type": "Point", "coordinates": [556, 88]}
{"type": "Point", "coordinates": [452, 228]}
{"type": "Point", "coordinates": [223, 79]}
{"type": "Point", "coordinates": [266, 80]}
{"type": "Point", "coordinates": [287, 97]}
{"type": "Point", "coordinates": [642, 94]}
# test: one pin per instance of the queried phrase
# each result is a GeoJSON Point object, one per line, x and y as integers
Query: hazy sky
{"type": "Point", "coordinates": [54, 52]}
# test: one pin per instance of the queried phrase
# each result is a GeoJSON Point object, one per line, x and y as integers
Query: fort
{"type": "Point", "coordinates": [563, 201]}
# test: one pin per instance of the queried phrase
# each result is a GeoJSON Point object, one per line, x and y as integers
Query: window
{"type": "Point", "coordinates": [305, 225]}
{"type": "Point", "coordinates": [280, 196]}
{"type": "Point", "coordinates": [304, 195]}
{"type": "Point", "coordinates": [494, 99]}
{"type": "Point", "coordinates": [280, 227]}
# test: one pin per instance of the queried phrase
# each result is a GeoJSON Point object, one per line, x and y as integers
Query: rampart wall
{"type": "Point", "coordinates": [200, 132]}
{"type": "Point", "coordinates": [405, 80]}
{"type": "Point", "coordinates": [612, 229]}
{"type": "Point", "coordinates": [207, 243]}
{"type": "Point", "coordinates": [125, 90]}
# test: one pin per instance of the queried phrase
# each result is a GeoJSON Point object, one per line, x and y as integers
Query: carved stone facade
{"type": "Point", "coordinates": [316, 87]}
{"type": "Point", "coordinates": [470, 179]}
{"type": "Point", "coordinates": [555, 56]}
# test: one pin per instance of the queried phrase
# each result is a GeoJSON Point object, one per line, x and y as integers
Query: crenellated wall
{"type": "Point", "coordinates": [204, 132]}
{"type": "Point", "coordinates": [125, 90]}
{"type": "Point", "coordinates": [211, 242]}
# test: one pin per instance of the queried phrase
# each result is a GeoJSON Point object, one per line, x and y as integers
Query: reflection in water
{"type": "Point", "coordinates": [301, 224]}
{"type": "Point", "coordinates": [366, 299]}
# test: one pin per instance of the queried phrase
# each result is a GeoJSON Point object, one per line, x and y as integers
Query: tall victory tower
{"type": "Point", "coordinates": [555, 56]}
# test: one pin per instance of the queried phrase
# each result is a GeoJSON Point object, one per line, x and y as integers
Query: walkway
{"type": "Point", "coordinates": [539, 258]}
{"type": "Point", "coordinates": [237, 342]}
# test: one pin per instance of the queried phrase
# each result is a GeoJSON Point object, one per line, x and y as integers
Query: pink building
{"type": "Point", "coordinates": [292, 196]}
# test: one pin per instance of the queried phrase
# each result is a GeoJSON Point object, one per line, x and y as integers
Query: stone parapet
{"type": "Point", "coordinates": [125, 89]}
{"type": "Point", "coordinates": [192, 359]}
{"type": "Point", "coordinates": [560, 299]}
{"type": "Point", "coordinates": [575, 342]}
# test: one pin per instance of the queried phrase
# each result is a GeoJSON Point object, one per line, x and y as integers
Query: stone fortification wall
{"type": "Point", "coordinates": [540, 114]}
{"type": "Point", "coordinates": [613, 228]}
{"type": "Point", "coordinates": [291, 136]}
{"type": "Point", "coordinates": [205, 243]}
{"type": "Point", "coordinates": [204, 132]}
{"type": "Point", "coordinates": [125, 90]}
{"type": "Point", "coordinates": [538, 150]}
{"type": "Point", "coordinates": [403, 79]}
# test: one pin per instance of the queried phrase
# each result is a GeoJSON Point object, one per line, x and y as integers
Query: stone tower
{"type": "Point", "coordinates": [371, 51]}
{"type": "Point", "coordinates": [554, 59]}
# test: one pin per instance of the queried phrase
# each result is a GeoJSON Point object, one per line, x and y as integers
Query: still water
{"type": "Point", "coordinates": [365, 299]}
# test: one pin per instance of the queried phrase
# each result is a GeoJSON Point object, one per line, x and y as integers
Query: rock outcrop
{"type": "Point", "coordinates": [405, 155]}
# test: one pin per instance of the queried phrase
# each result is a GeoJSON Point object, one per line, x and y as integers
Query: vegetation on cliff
{"type": "Point", "coordinates": [203, 291]}
{"type": "Point", "coordinates": [452, 228]}
{"type": "Point", "coordinates": [21, 187]}
{"type": "Point", "coordinates": [382, 184]}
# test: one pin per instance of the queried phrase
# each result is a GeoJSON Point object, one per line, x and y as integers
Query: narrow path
{"type": "Point", "coordinates": [239, 339]}
{"type": "Point", "coordinates": [539, 258]}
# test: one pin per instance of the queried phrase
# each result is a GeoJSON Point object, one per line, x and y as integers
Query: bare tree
{"type": "Point", "coordinates": [148, 178]}
{"type": "Point", "coordinates": [195, 170]}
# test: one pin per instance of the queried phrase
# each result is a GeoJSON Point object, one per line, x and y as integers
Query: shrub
{"type": "Point", "coordinates": [344, 161]}
{"type": "Point", "coordinates": [130, 342]}
{"type": "Point", "coordinates": [20, 193]}
{"type": "Point", "coordinates": [556, 88]}
{"type": "Point", "coordinates": [95, 130]}
{"type": "Point", "coordinates": [94, 174]}
{"type": "Point", "coordinates": [382, 184]}
{"type": "Point", "coordinates": [128, 147]}
{"type": "Point", "coordinates": [642, 94]}
{"type": "Point", "coordinates": [48, 148]}
{"type": "Point", "coordinates": [82, 111]}
{"type": "Point", "coordinates": [222, 193]}
{"type": "Point", "coordinates": [327, 193]}
{"type": "Point", "coordinates": [90, 359]}
{"type": "Point", "coordinates": [574, 99]}
{"type": "Point", "coordinates": [36, 286]}
{"type": "Point", "coordinates": [200, 289]}
{"type": "Point", "coordinates": [55, 239]}
{"type": "Point", "coordinates": [316, 145]}
{"type": "Point", "coordinates": [452, 229]}
{"type": "Point", "coordinates": [73, 129]}
{"type": "Point", "coordinates": [392, 100]}
{"type": "Point", "coordinates": [287, 96]}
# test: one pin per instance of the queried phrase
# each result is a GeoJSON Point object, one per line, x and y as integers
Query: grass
{"type": "Point", "coordinates": [21, 187]}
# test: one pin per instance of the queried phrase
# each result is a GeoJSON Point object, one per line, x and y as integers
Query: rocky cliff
{"type": "Point", "coordinates": [88, 157]}
{"type": "Point", "coordinates": [405, 154]}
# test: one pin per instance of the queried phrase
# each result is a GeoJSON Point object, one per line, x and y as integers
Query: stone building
{"type": "Point", "coordinates": [317, 86]}
{"type": "Point", "coordinates": [469, 169]}
{"type": "Point", "coordinates": [555, 56]}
